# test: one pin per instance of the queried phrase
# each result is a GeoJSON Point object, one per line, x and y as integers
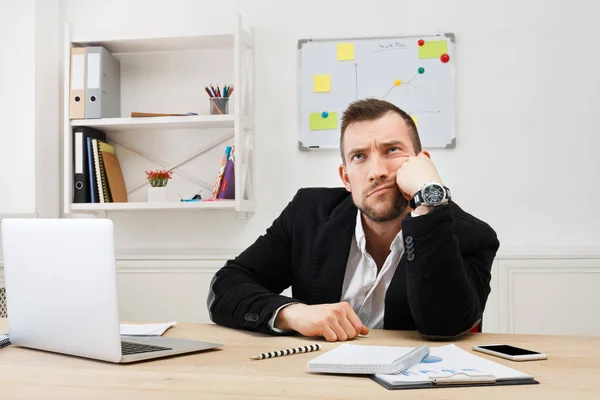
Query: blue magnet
{"type": "Point", "coordinates": [324, 114]}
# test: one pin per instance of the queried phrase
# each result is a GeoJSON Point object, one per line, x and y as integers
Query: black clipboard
{"type": "Point", "coordinates": [450, 382]}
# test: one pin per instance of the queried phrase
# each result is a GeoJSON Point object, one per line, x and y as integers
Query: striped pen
{"type": "Point", "coordinates": [287, 352]}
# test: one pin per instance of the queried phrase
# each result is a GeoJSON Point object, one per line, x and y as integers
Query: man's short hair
{"type": "Point", "coordinates": [372, 109]}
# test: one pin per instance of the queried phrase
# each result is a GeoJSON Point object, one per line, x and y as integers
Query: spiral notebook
{"type": "Point", "coordinates": [4, 341]}
{"type": "Point", "coordinates": [366, 360]}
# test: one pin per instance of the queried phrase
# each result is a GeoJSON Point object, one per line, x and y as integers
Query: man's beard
{"type": "Point", "coordinates": [395, 210]}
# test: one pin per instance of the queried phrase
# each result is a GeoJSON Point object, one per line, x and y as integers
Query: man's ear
{"type": "Point", "coordinates": [425, 152]}
{"type": "Point", "coordinates": [344, 177]}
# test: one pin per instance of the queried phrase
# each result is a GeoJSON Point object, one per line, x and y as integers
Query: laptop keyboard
{"type": "Point", "coordinates": [128, 348]}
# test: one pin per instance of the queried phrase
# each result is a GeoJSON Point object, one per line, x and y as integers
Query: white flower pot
{"type": "Point", "coordinates": [157, 194]}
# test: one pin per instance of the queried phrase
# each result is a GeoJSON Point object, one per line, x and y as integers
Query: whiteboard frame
{"type": "Point", "coordinates": [302, 42]}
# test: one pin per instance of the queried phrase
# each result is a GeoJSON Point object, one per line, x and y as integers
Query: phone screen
{"type": "Point", "coordinates": [510, 350]}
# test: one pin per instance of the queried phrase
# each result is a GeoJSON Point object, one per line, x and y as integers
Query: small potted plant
{"type": "Point", "coordinates": [158, 179]}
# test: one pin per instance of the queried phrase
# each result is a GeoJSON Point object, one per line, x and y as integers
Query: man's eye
{"type": "Point", "coordinates": [394, 149]}
{"type": "Point", "coordinates": [356, 157]}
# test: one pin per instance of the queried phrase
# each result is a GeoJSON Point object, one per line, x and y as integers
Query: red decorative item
{"type": "Point", "coordinates": [445, 58]}
{"type": "Point", "coordinates": [421, 42]}
{"type": "Point", "coordinates": [159, 178]}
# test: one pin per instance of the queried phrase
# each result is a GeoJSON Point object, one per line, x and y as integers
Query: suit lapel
{"type": "Point", "coordinates": [330, 253]}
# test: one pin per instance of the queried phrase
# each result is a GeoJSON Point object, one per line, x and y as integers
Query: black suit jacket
{"type": "Point", "coordinates": [439, 288]}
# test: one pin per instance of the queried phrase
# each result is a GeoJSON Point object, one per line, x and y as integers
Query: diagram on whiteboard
{"type": "Point", "coordinates": [414, 73]}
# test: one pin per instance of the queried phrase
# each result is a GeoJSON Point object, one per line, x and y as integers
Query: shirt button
{"type": "Point", "coordinates": [410, 256]}
{"type": "Point", "coordinates": [408, 240]}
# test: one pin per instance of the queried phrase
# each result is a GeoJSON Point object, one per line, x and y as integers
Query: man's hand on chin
{"type": "Point", "coordinates": [416, 172]}
{"type": "Point", "coordinates": [334, 322]}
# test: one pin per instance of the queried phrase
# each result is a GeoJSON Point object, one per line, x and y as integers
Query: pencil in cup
{"type": "Point", "coordinates": [287, 352]}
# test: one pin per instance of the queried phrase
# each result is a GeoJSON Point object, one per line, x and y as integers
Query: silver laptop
{"type": "Point", "coordinates": [61, 292]}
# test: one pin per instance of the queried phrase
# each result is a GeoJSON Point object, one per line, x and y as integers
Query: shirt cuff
{"type": "Point", "coordinates": [414, 214]}
{"type": "Point", "coordinates": [272, 320]}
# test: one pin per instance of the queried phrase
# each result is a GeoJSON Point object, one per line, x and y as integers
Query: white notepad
{"type": "Point", "coordinates": [357, 359]}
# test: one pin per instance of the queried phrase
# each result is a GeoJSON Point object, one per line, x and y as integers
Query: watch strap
{"type": "Point", "coordinates": [416, 200]}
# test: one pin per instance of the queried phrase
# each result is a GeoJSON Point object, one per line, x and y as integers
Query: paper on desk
{"type": "Point", "coordinates": [146, 329]}
{"type": "Point", "coordinates": [453, 360]}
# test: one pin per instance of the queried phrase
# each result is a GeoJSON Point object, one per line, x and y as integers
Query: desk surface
{"type": "Point", "coordinates": [572, 371]}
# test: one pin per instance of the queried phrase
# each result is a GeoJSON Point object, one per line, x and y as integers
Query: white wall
{"type": "Point", "coordinates": [525, 159]}
{"type": "Point", "coordinates": [47, 111]}
{"type": "Point", "coordinates": [17, 94]}
{"type": "Point", "coordinates": [29, 164]}
{"type": "Point", "coordinates": [527, 88]}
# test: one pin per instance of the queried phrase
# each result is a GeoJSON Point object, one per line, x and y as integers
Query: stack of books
{"type": "Point", "coordinates": [97, 174]}
{"type": "Point", "coordinates": [225, 184]}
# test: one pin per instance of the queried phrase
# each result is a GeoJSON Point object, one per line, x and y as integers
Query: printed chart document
{"type": "Point", "coordinates": [453, 366]}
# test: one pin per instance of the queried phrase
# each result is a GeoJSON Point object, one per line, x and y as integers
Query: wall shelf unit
{"type": "Point", "coordinates": [168, 75]}
{"type": "Point", "coordinates": [220, 204]}
{"type": "Point", "coordinates": [148, 123]}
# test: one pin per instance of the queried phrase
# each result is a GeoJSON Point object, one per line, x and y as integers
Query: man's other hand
{"type": "Point", "coordinates": [415, 173]}
{"type": "Point", "coordinates": [334, 322]}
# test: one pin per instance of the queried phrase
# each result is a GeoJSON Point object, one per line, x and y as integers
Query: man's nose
{"type": "Point", "coordinates": [378, 170]}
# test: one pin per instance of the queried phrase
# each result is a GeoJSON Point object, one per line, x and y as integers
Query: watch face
{"type": "Point", "coordinates": [433, 194]}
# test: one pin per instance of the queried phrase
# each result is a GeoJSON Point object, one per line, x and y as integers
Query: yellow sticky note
{"type": "Point", "coordinates": [433, 49]}
{"type": "Point", "coordinates": [345, 51]}
{"type": "Point", "coordinates": [414, 118]}
{"type": "Point", "coordinates": [322, 83]}
{"type": "Point", "coordinates": [323, 121]}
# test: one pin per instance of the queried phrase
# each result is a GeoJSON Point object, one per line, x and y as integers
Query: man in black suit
{"type": "Point", "coordinates": [391, 250]}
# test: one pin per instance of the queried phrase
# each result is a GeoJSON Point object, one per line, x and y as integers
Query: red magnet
{"type": "Point", "coordinates": [421, 42]}
{"type": "Point", "coordinates": [445, 58]}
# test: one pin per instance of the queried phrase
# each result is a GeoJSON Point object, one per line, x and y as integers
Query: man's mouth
{"type": "Point", "coordinates": [381, 190]}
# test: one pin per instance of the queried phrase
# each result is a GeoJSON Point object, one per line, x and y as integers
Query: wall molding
{"type": "Point", "coordinates": [149, 261]}
{"type": "Point", "coordinates": [172, 261]}
{"type": "Point", "coordinates": [508, 271]}
{"type": "Point", "coordinates": [206, 261]}
{"type": "Point", "coordinates": [499, 315]}
{"type": "Point", "coordinates": [549, 252]}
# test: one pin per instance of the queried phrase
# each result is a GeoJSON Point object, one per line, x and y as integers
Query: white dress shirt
{"type": "Point", "coordinates": [363, 288]}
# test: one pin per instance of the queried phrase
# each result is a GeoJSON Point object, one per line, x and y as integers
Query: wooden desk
{"type": "Point", "coordinates": [571, 372]}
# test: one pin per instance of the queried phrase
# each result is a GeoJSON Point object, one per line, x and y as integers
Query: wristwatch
{"type": "Point", "coordinates": [431, 194]}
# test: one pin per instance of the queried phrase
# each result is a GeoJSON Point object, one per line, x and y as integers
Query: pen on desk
{"type": "Point", "coordinates": [301, 349]}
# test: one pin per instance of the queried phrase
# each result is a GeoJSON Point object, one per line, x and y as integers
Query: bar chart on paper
{"type": "Point", "coordinates": [414, 73]}
{"type": "Point", "coordinates": [452, 360]}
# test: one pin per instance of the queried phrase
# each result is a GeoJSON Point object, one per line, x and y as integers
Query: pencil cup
{"type": "Point", "coordinates": [219, 105]}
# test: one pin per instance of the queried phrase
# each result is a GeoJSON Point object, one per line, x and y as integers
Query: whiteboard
{"type": "Point", "coordinates": [414, 73]}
